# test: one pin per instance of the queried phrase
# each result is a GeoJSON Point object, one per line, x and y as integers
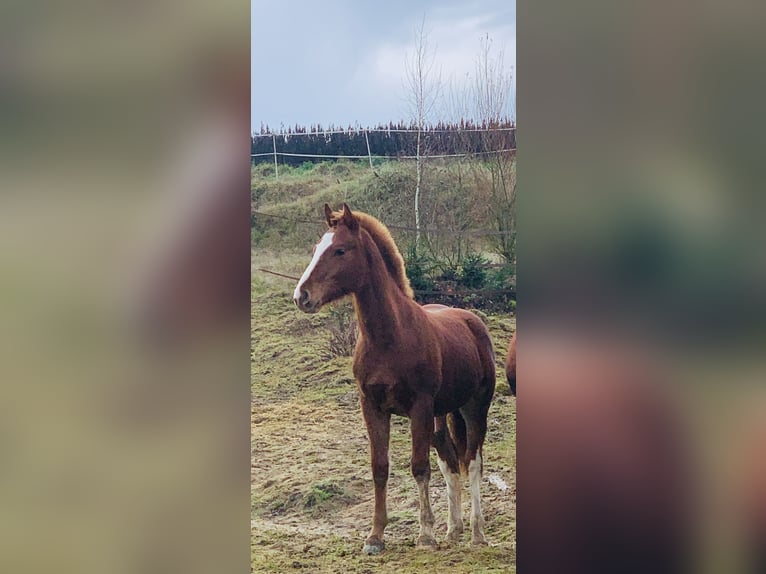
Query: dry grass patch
{"type": "Point", "coordinates": [311, 485]}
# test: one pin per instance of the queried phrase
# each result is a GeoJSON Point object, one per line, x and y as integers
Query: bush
{"type": "Point", "coordinates": [305, 167]}
{"type": "Point", "coordinates": [418, 268]}
{"type": "Point", "coordinates": [473, 273]}
{"type": "Point", "coordinates": [343, 331]}
{"type": "Point", "coordinates": [501, 278]}
{"type": "Point", "coordinates": [449, 272]}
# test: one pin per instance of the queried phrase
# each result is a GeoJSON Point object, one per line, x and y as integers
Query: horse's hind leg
{"type": "Point", "coordinates": [475, 415]}
{"type": "Point", "coordinates": [422, 427]}
{"type": "Point", "coordinates": [449, 465]}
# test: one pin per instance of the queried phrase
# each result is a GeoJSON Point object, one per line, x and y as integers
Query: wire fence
{"type": "Point", "coordinates": [285, 137]}
{"type": "Point", "coordinates": [385, 157]}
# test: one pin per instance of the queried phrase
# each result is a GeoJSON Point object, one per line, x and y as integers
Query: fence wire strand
{"type": "Point", "coordinates": [462, 233]}
{"type": "Point", "coordinates": [387, 157]}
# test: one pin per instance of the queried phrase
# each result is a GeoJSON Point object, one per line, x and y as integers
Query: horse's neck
{"type": "Point", "coordinates": [380, 305]}
{"type": "Point", "coordinates": [379, 314]}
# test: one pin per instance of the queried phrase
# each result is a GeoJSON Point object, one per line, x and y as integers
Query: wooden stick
{"type": "Point", "coordinates": [276, 167]}
{"type": "Point", "coordinates": [279, 274]}
{"type": "Point", "coordinates": [369, 154]}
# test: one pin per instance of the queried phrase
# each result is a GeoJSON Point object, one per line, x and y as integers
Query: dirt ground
{"type": "Point", "coordinates": [311, 484]}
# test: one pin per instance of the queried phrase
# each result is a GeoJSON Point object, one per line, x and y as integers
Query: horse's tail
{"type": "Point", "coordinates": [457, 431]}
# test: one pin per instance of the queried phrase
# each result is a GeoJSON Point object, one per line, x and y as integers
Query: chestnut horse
{"type": "Point", "coordinates": [510, 365]}
{"type": "Point", "coordinates": [431, 363]}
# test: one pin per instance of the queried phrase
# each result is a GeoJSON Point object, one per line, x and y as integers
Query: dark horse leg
{"type": "Point", "coordinates": [378, 429]}
{"type": "Point", "coordinates": [422, 427]}
{"type": "Point", "coordinates": [450, 467]}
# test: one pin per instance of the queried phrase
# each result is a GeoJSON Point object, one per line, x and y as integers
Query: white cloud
{"type": "Point", "coordinates": [455, 40]}
{"type": "Point", "coordinates": [345, 62]}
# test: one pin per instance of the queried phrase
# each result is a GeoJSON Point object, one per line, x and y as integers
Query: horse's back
{"type": "Point", "coordinates": [459, 322]}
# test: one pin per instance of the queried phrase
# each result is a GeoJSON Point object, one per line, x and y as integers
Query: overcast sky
{"type": "Point", "coordinates": [343, 61]}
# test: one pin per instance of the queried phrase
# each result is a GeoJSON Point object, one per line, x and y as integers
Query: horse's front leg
{"type": "Point", "coordinates": [378, 430]}
{"type": "Point", "coordinates": [422, 427]}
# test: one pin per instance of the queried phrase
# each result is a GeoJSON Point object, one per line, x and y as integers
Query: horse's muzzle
{"type": "Point", "coordinates": [304, 303]}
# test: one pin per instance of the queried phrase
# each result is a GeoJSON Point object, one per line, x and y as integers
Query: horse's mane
{"type": "Point", "coordinates": [381, 236]}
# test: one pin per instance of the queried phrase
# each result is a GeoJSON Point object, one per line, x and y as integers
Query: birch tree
{"type": "Point", "coordinates": [423, 85]}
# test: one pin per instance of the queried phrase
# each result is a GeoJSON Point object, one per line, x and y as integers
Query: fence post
{"type": "Point", "coordinates": [369, 155]}
{"type": "Point", "coordinates": [276, 167]}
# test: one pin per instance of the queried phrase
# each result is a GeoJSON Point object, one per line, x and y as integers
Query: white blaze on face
{"type": "Point", "coordinates": [321, 247]}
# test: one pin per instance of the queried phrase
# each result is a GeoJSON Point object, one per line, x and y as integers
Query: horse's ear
{"type": "Point", "coordinates": [327, 213]}
{"type": "Point", "coordinates": [348, 218]}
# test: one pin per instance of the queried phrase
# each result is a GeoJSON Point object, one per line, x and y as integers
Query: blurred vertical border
{"type": "Point", "coordinates": [642, 282]}
{"type": "Point", "coordinates": [124, 273]}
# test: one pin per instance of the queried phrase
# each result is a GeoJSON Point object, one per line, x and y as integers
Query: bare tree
{"type": "Point", "coordinates": [423, 84]}
{"type": "Point", "coordinates": [492, 93]}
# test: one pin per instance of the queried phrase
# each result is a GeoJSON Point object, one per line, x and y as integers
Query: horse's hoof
{"type": "Point", "coordinates": [454, 535]}
{"type": "Point", "coordinates": [427, 542]}
{"type": "Point", "coordinates": [479, 541]}
{"type": "Point", "coordinates": [373, 546]}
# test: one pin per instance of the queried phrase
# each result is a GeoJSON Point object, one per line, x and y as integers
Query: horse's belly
{"type": "Point", "coordinates": [461, 378]}
{"type": "Point", "coordinates": [453, 396]}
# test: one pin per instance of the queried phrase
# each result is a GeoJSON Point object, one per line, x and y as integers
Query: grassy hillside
{"type": "Point", "coordinates": [312, 492]}
{"type": "Point", "coordinates": [457, 197]}
{"type": "Point", "coordinates": [467, 240]}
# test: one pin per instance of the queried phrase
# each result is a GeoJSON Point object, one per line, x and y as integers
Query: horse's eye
{"type": "Point", "coordinates": [340, 251]}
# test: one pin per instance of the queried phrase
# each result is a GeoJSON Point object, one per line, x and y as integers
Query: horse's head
{"type": "Point", "coordinates": [336, 266]}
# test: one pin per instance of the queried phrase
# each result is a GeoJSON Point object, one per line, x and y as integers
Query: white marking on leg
{"type": "Point", "coordinates": [477, 519]}
{"type": "Point", "coordinates": [321, 247]}
{"type": "Point", "coordinates": [455, 517]}
{"type": "Point", "coordinates": [426, 516]}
